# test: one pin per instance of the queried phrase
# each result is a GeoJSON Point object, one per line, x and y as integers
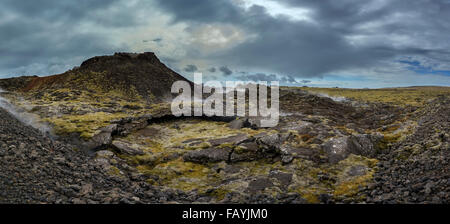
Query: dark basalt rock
{"type": "Point", "coordinates": [239, 123]}
{"type": "Point", "coordinates": [259, 184]}
{"type": "Point", "coordinates": [249, 151]}
{"type": "Point", "coordinates": [340, 148]}
{"type": "Point", "coordinates": [235, 140]}
{"type": "Point", "coordinates": [125, 148]}
{"type": "Point", "coordinates": [208, 155]}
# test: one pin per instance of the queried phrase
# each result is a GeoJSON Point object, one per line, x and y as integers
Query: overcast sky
{"type": "Point", "coordinates": [345, 43]}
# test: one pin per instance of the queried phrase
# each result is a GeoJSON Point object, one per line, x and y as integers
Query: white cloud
{"type": "Point", "coordinates": [275, 9]}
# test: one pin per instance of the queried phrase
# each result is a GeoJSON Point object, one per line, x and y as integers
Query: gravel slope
{"type": "Point", "coordinates": [35, 169]}
{"type": "Point", "coordinates": [417, 170]}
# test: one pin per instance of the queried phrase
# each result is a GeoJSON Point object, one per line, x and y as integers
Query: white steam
{"type": "Point", "coordinates": [23, 116]}
{"type": "Point", "coordinates": [334, 98]}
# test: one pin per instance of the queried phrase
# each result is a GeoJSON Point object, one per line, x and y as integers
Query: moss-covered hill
{"type": "Point", "coordinates": [128, 74]}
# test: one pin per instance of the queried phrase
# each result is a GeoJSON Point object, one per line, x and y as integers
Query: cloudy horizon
{"type": "Point", "coordinates": [345, 43]}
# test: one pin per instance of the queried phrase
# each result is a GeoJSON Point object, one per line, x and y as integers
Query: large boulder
{"type": "Point", "coordinates": [259, 184]}
{"type": "Point", "coordinates": [234, 140]}
{"type": "Point", "coordinates": [248, 151]}
{"type": "Point", "coordinates": [208, 155]}
{"type": "Point", "coordinates": [284, 178]}
{"type": "Point", "coordinates": [126, 148]}
{"type": "Point", "coordinates": [239, 148]}
{"type": "Point", "coordinates": [131, 124]}
{"type": "Point", "coordinates": [262, 146]}
{"type": "Point", "coordinates": [365, 144]}
{"type": "Point", "coordinates": [104, 137]}
{"type": "Point", "coordinates": [270, 143]}
{"type": "Point", "coordinates": [339, 148]}
{"type": "Point", "coordinates": [104, 154]}
{"type": "Point", "coordinates": [289, 153]}
{"type": "Point", "coordinates": [239, 123]}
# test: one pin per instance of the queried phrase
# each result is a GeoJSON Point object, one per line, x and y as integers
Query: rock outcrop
{"type": "Point", "coordinates": [340, 148]}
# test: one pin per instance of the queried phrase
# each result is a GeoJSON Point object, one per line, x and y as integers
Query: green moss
{"type": "Point", "coordinates": [351, 187]}
{"type": "Point", "coordinates": [185, 176]}
{"type": "Point", "coordinates": [389, 139]}
{"type": "Point", "coordinates": [416, 96]}
{"type": "Point", "coordinates": [114, 171]}
{"type": "Point", "coordinates": [219, 193]}
{"type": "Point", "coordinates": [240, 150]}
{"type": "Point", "coordinates": [202, 145]}
{"type": "Point", "coordinates": [146, 159]}
{"type": "Point", "coordinates": [348, 186]}
{"type": "Point", "coordinates": [306, 183]}
{"type": "Point", "coordinates": [311, 196]}
{"type": "Point", "coordinates": [86, 125]}
{"type": "Point", "coordinates": [226, 145]}
{"type": "Point", "coordinates": [301, 140]}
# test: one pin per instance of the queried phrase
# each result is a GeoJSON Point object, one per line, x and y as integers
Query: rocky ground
{"type": "Point", "coordinates": [37, 169]}
{"type": "Point", "coordinates": [92, 142]}
{"type": "Point", "coordinates": [314, 156]}
{"type": "Point", "coordinates": [417, 169]}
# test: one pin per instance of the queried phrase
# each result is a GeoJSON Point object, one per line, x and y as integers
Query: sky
{"type": "Point", "coordinates": [327, 43]}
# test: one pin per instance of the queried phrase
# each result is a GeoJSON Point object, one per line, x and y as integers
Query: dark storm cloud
{"type": "Point", "coordinates": [202, 10]}
{"type": "Point", "coordinates": [190, 68]}
{"type": "Point", "coordinates": [51, 9]}
{"type": "Point", "coordinates": [72, 11]}
{"type": "Point", "coordinates": [47, 36]}
{"type": "Point", "coordinates": [213, 69]}
{"type": "Point", "coordinates": [349, 12]}
{"type": "Point", "coordinates": [260, 77]}
{"type": "Point", "coordinates": [301, 48]}
{"type": "Point", "coordinates": [322, 45]}
{"type": "Point", "coordinates": [225, 70]}
{"type": "Point", "coordinates": [286, 79]}
{"type": "Point", "coordinates": [305, 81]}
